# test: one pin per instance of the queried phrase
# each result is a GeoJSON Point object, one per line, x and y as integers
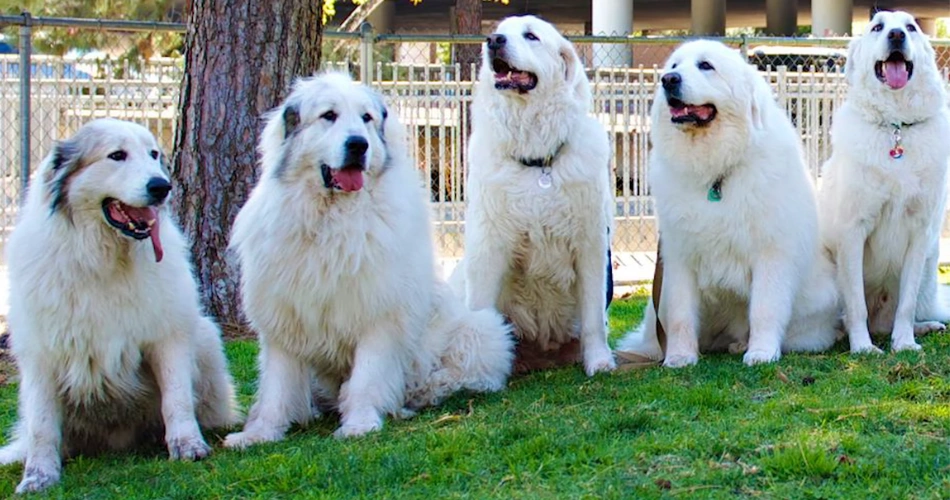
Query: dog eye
{"type": "Point", "coordinates": [118, 155]}
{"type": "Point", "coordinates": [877, 27]}
{"type": "Point", "coordinates": [531, 36]}
{"type": "Point", "coordinates": [911, 28]}
{"type": "Point", "coordinates": [154, 154]}
{"type": "Point", "coordinates": [705, 66]}
{"type": "Point", "coordinates": [675, 65]}
{"type": "Point", "coordinates": [367, 117]}
{"type": "Point", "coordinates": [329, 116]}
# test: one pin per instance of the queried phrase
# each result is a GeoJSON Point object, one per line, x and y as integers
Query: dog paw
{"type": "Point", "coordinates": [244, 439]}
{"type": "Point", "coordinates": [354, 427]}
{"type": "Point", "coordinates": [760, 356]}
{"type": "Point", "coordinates": [680, 360]}
{"type": "Point", "coordinates": [905, 345]}
{"type": "Point", "coordinates": [868, 348]}
{"type": "Point", "coordinates": [602, 362]}
{"type": "Point", "coordinates": [925, 327]}
{"type": "Point", "coordinates": [37, 479]}
{"type": "Point", "coordinates": [188, 448]}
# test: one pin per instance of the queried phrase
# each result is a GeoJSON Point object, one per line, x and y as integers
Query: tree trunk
{"type": "Point", "coordinates": [468, 21]}
{"type": "Point", "coordinates": [240, 59]}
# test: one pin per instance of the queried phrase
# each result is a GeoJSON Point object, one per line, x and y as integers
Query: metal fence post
{"type": "Point", "coordinates": [26, 45]}
{"type": "Point", "coordinates": [366, 53]}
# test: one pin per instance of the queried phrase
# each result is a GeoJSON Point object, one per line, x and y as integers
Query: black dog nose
{"type": "Point", "coordinates": [496, 41]}
{"type": "Point", "coordinates": [896, 36]}
{"type": "Point", "coordinates": [157, 188]}
{"type": "Point", "coordinates": [671, 81]}
{"type": "Point", "coordinates": [356, 145]}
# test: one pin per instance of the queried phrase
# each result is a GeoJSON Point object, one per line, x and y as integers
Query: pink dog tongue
{"type": "Point", "coordinates": [349, 179]}
{"type": "Point", "coordinates": [895, 74]}
{"type": "Point", "coordinates": [149, 214]}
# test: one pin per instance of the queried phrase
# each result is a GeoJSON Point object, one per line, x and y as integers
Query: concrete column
{"type": "Point", "coordinates": [928, 25]}
{"type": "Point", "coordinates": [708, 17]}
{"type": "Point", "coordinates": [383, 16]}
{"type": "Point", "coordinates": [831, 17]}
{"type": "Point", "coordinates": [781, 17]}
{"type": "Point", "coordinates": [612, 18]}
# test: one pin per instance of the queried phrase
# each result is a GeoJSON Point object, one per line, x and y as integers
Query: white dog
{"type": "Point", "coordinates": [737, 214]}
{"type": "Point", "coordinates": [107, 331]}
{"type": "Point", "coordinates": [338, 273]}
{"type": "Point", "coordinates": [884, 187]}
{"type": "Point", "coordinates": [540, 208]}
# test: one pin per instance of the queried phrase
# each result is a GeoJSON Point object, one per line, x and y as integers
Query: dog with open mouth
{"type": "Point", "coordinates": [111, 343]}
{"type": "Point", "coordinates": [884, 192]}
{"type": "Point", "coordinates": [338, 274]}
{"type": "Point", "coordinates": [540, 201]}
{"type": "Point", "coordinates": [738, 219]}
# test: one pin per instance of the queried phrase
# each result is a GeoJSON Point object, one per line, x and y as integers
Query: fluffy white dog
{"type": "Point", "coordinates": [107, 331]}
{"type": "Point", "coordinates": [737, 214]}
{"type": "Point", "coordinates": [884, 188]}
{"type": "Point", "coordinates": [540, 208]}
{"type": "Point", "coordinates": [338, 273]}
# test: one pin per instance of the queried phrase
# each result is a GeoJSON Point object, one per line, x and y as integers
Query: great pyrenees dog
{"type": "Point", "coordinates": [338, 273]}
{"type": "Point", "coordinates": [108, 334]}
{"type": "Point", "coordinates": [884, 187]}
{"type": "Point", "coordinates": [540, 208]}
{"type": "Point", "coordinates": [737, 215]}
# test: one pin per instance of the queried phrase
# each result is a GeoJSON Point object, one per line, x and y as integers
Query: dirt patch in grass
{"type": "Point", "coordinates": [233, 331]}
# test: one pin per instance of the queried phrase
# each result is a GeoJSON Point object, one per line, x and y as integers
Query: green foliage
{"type": "Point", "coordinates": [129, 46]}
{"type": "Point", "coordinates": [811, 426]}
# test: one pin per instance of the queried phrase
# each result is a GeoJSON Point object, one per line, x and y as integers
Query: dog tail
{"type": "Point", "coordinates": [477, 354]}
{"type": "Point", "coordinates": [14, 452]}
{"type": "Point", "coordinates": [642, 340]}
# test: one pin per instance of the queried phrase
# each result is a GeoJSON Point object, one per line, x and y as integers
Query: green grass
{"type": "Point", "coordinates": [817, 426]}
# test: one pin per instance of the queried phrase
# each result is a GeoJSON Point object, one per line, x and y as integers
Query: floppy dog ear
{"type": "Point", "coordinates": [64, 162]}
{"type": "Point", "coordinates": [574, 72]}
{"type": "Point", "coordinates": [760, 94]}
{"type": "Point", "coordinates": [291, 119]}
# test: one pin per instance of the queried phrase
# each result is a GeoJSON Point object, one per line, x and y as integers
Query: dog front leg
{"type": "Point", "coordinates": [487, 257]}
{"type": "Point", "coordinates": [591, 268]}
{"type": "Point", "coordinates": [283, 397]}
{"type": "Point", "coordinates": [377, 382]}
{"type": "Point", "coordinates": [850, 262]}
{"type": "Point", "coordinates": [774, 285]}
{"type": "Point", "coordinates": [173, 364]}
{"type": "Point", "coordinates": [902, 337]}
{"type": "Point", "coordinates": [42, 416]}
{"type": "Point", "coordinates": [681, 319]}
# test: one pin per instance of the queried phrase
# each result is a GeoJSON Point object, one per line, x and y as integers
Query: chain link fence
{"type": "Point", "coordinates": [426, 85]}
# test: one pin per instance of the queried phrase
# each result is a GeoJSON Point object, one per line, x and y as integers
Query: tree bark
{"type": "Point", "coordinates": [240, 58]}
{"type": "Point", "coordinates": [468, 21]}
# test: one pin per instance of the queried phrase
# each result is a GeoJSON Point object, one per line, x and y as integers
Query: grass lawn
{"type": "Point", "coordinates": [817, 426]}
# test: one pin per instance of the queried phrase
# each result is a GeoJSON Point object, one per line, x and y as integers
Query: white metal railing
{"type": "Point", "coordinates": [429, 97]}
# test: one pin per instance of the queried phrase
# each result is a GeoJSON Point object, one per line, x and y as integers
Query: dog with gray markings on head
{"type": "Point", "coordinates": [540, 203]}
{"type": "Point", "coordinates": [338, 273]}
{"type": "Point", "coordinates": [107, 331]}
{"type": "Point", "coordinates": [884, 192]}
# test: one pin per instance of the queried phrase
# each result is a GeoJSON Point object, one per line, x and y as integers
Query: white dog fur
{"type": "Point", "coordinates": [338, 273]}
{"type": "Point", "coordinates": [539, 254]}
{"type": "Point", "coordinates": [107, 332]}
{"type": "Point", "coordinates": [747, 270]}
{"type": "Point", "coordinates": [881, 217]}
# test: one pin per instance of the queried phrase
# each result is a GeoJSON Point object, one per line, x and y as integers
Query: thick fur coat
{"type": "Point", "coordinates": [107, 330]}
{"type": "Point", "coordinates": [737, 215]}
{"type": "Point", "coordinates": [882, 211]}
{"type": "Point", "coordinates": [540, 203]}
{"type": "Point", "coordinates": [338, 273]}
